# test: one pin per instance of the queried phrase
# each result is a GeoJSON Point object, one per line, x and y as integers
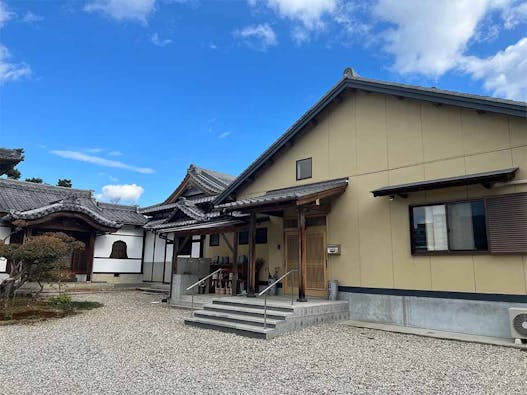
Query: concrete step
{"type": "Point", "coordinates": [254, 304]}
{"type": "Point", "coordinates": [232, 327]}
{"type": "Point", "coordinates": [249, 311]}
{"type": "Point", "coordinates": [237, 318]}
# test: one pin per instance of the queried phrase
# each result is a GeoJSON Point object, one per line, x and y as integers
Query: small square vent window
{"type": "Point", "coordinates": [304, 169]}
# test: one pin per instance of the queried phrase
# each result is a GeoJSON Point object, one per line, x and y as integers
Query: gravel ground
{"type": "Point", "coordinates": [135, 347]}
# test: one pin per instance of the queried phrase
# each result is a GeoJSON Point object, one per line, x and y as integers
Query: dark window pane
{"type": "Point", "coordinates": [480, 226]}
{"type": "Point", "coordinates": [214, 240]}
{"type": "Point", "coordinates": [419, 229]}
{"type": "Point", "coordinates": [303, 169]}
{"type": "Point", "coordinates": [429, 232]}
{"type": "Point", "coordinates": [261, 236]}
{"type": "Point", "coordinates": [243, 237]}
{"type": "Point", "coordinates": [187, 247]}
{"type": "Point", "coordinates": [17, 237]}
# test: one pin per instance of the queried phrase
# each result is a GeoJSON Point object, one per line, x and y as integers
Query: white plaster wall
{"type": "Point", "coordinates": [130, 235]}
{"type": "Point", "coordinates": [133, 237]}
{"type": "Point", "coordinates": [108, 265]}
{"type": "Point", "coordinates": [149, 246]}
{"type": "Point", "coordinates": [159, 253]}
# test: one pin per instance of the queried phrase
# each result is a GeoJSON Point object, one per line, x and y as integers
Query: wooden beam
{"type": "Point", "coordinates": [252, 257]}
{"type": "Point", "coordinates": [302, 264]}
{"type": "Point", "coordinates": [321, 195]}
{"type": "Point", "coordinates": [227, 242]}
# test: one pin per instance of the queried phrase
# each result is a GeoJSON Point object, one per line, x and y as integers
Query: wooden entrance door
{"type": "Point", "coordinates": [315, 260]}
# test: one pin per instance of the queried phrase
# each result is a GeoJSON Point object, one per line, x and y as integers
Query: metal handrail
{"type": "Point", "coordinates": [198, 283]}
{"type": "Point", "coordinates": [271, 286]}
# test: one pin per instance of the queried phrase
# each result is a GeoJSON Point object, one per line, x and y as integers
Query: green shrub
{"type": "Point", "coordinates": [62, 301]}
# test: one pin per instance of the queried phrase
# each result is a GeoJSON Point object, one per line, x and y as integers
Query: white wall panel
{"type": "Point", "coordinates": [132, 237]}
{"type": "Point", "coordinates": [159, 255]}
{"type": "Point", "coordinates": [149, 247]}
{"type": "Point", "coordinates": [101, 265]}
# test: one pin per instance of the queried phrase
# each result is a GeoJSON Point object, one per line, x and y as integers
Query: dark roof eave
{"type": "Point", "coordinates": [486, 178]}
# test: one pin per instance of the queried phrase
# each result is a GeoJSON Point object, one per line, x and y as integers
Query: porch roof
{"type": "Point", "coordinates": [487, 179]}
{"type": "Point", "coordinates": [219, 225]}
{"type": "Point", "coordinates": [298, 195]}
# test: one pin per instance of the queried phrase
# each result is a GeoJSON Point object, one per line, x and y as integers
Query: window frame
{"type": "Point", "coordinates": [310, 159]}
{"type": "Point", "coordinates": [256, 241]}
{"type": "Point", "coordinates": [214, 243]}
{"type": "Point", "coordinates": [449, 251]}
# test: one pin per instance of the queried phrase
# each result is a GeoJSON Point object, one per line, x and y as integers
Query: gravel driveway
{"type": "Point", "coordinates": [134, 346]}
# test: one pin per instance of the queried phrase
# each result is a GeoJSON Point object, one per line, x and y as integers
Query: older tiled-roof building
{"type": "Point", "coordinates": [30, 209]}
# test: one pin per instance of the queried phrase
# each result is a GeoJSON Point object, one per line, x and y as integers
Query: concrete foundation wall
{"type": "Point", "coordinates": [123, 278]}
{"type": "Point", "coordinates": [475, 317]}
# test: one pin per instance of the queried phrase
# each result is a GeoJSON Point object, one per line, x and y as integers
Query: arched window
{"type": "Point", "coordinates": [119, 250]}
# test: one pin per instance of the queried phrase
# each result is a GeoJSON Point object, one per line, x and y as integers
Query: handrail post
{"type": "Point", "coordinates": [265, 311]}
{"type": "Point", "coordinates": [192, 305]}
{"type": "Point", "coordinates": [291, 286]}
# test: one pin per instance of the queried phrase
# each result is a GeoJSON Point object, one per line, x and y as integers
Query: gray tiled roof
{"type": "Point", "coordinates": [9, 158]}
{"type": "Point", "coordinates": [123, 214]}
{"type": "Point", "coordinates": [210, 179]}
{"type": "Point", "coordinates": [209, 182]}
{"type": "Point", "coordinates": [285, 194]}
{"type": "Point", "coordinates": [26, 200]}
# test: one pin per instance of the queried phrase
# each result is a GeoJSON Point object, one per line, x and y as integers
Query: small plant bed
{"type": "Point", "coordinates": [27, 309]}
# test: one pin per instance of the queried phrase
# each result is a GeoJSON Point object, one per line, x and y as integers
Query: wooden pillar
{"type": "Point", "coordinates": [90, 254]}
{"type": "Point", "coordinates": [252, 257]}
{"type": "Point", "coordinates": [175, 252]}
{"type": "Point", "coordinates": [235, 265]}
{"type": "Point", "coordinates": [302, 279]}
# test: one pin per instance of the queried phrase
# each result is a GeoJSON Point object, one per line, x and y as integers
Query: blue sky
{"type": "Point", "coordinates": [122, 96]}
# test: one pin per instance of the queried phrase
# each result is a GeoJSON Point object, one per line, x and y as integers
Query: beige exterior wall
{"type": "Point", "coordinates": [270, 252]}
{"type": "Point", "coordinates": [378, 140]}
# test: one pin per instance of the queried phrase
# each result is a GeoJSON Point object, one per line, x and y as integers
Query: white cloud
{"type": "Point", "coordinates": [10, 71]}
{"type": "Point", "coordinates": [121, 10]}
{"type": "Point", "coordinates": [224, 135]}
{"type": "Point", "coordinates": [160, 42]}
{"type": "Point", "coordinates": [115, 153]}
{"type": "Point", "coordinates": [309, 15]}
{"type": "Point", "coordinates": [80, 156]}
{"type": "Point", "coordinates": [95, 150]}
{"type": "Point", "coordinates": [5, 14]}
{"type": "Point", "coordinates": [259, 37]}
{"type": "Point", "coordinates": [428, 36]}
{"type": "Point", "coordinates": [129, 193]}
{"type": "Point", "coordinates": [503, 74]}
{"type": "Point", "coordinates": [29, 17]}
{"type": "Point", "coordinates": [512, 16]}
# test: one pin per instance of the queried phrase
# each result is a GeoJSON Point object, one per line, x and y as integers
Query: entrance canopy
{"type": "Point", "coordinates": [219, 225]}
{"type": "Point", "coordinates": [297, 195]}
{"type": "Point", "coordinates": [487, 179]}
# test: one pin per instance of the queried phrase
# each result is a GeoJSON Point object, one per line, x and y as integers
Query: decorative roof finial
{"type": "Point", "coordinates": [350, 73]}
